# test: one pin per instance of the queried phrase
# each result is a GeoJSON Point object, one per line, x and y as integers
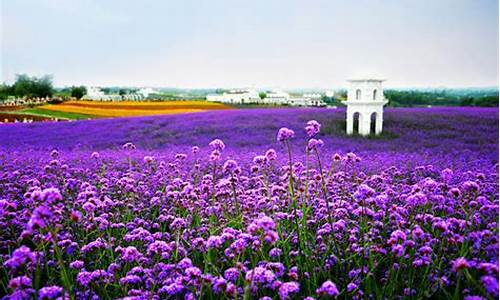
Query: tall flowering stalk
{"type": "Point", "coordinates": [312, 129]}
{"type": "Point", "coordinates": [129, 147]}
{"type": "Point", "coordinates": [217, 148]}
{"type": "Point", "coordinates": [231, 167]}
{"type": "Point", "coordinates": [284, 134]}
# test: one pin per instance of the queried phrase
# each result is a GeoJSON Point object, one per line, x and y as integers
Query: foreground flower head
{"type": "Point", "coordinates": [328, 288]}
{"type": "Point", "coordinates": [128, 146]}
{"type": "Point", "coordinates": [285, 134]}
{"type": "Point", "coordinates": [217, 145]}
{"type": "Point", "coordinates": [312, 128]}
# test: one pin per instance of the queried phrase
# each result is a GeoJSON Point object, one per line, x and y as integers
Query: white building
{"type": "Point", "coordinates": [276, 98]}
{"type": "Point", "coordinates": [365, 100]}
{"type": "Point", "coordinates": [307, 100]}
{"type": "Point", "coordinates": [95, 93]}
{"type": "Point", "coordinates": [236, 96]}
{"type": "Point", "coordinates": [146, 92]}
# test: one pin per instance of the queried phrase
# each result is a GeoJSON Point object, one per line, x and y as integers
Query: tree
{"type": "Point", "coordinates": [5, 91]}
{"type": "Point", "coordinates": [262, 95]}
{"type": "Point", "coordinates": [106, 90]}
{"type": "Point", "coordinates": [26, 86]}
{"type": "Point", "coordinates": [78, 91]}
{"type": "Point", "coordinates": [467, 101]}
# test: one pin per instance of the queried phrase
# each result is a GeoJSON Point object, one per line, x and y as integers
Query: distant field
{"type": "Point", "coordinates": [127, 109]}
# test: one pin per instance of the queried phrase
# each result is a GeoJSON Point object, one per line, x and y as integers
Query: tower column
{"type": "Point", "coordinates": [350, 123]}
{"type": "Point", "coordinates": [364, 125]}
{"type": "Point", "coordinates": [378, 123]}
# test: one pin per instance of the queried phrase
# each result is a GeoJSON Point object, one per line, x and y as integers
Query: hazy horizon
{"type": "Point", "coordinates": [263, 88]}
{"type": "Point", "coordinates": [278, 44]}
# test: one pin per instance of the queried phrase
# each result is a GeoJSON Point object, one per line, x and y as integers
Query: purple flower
{"type": "Point", "coordinates": [277, 267]}
{"type": "Point", "coordinates": [285, 134]}
{"type": "Point", "coordinates": [271, 236]}
{"type": "Point", "coordinates": [185, 263]}
{"type": "Point", "coordinates": [265, 223]}
{"type": "Point", "coordinates": [336, 157]}
{"type": "Point", "coordinates": [275, 252]}
{"type": "Point", "coordinates": [130, 279]}
{"type": "Point", "coordinates": [490, 285]}
{"type": "Point", "coordinates": [460, 264]}
{"type": "Point", "coordinates": [21, 282]}
{"type": "Point", "coordinates": [214, 241]}
{"type": "Point", "coordinates": [180, 156]}
{"type": "Point", "coordinates": [259, 160]}
{"type": "Point", "coordinates": [159, 248]}
{"type": "Point", "coordinates": [54, 154]}
{"type": "Point", "coordinates": [51, 195]}
{"type": "Point", "coordinates": [288, 288]}
{"type": "Point", "coordinates": [314, 144]}
{"type": "Point", "coordinates": [217, 145]}
{"type": "Point", "coordinates": [328, 288]}
{"type": "Point", "coordinates": [218, 285]}
{"type": "Point", "coordinates": [446, 174]}
{"type": "Point", "coordinates": [351, 287]}
{"type": "Point", "coordinates": [215, 155]}
{"type": "Point", "coordinates": [231, 274]}
{"type": "Point", "coordinates": [230, 166]}
{"type": "Point", "coordinates": [148, 159]}
{"type": "Point", "coordinates": [20, 257]}
{"type": "Point", "coordinates": [260, 275]}
{"type": "Point", "coordinates": [94, 245]}
{"type": "Point", "coordinates": [363, 192]}
{"type": "Point", "coordinates": [178, 223]}
{"type": "Point", "coordinates": [312, 128]}
{"type": "Point", "coordinates": [39, 219]}
{"type": "Point", "coordinates": [130, 254]}
{"type": "Point", "coordinates": [193, 272]}
{"type": "Point", "coordinates": [50, 292]}
{"type": "Point", "coordinates": [128, 146]}
{"type": "Point", "coordinates": [271, 155]}
{"type": "Point", "coordinates": [77, 264]}
{"type": "Point", "coordinates": [172, 289]}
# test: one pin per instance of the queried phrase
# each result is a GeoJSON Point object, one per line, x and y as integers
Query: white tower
{"type": "Point", "coordinates": [365, 98]}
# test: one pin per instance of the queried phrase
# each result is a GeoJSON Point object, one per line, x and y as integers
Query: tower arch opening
{"type": "Point", "coordinates": [358, 94]}
{"type": "Point", "coordinates": [357, 119]}
{"type": "Point", "coordinates": [373, 123]}
{"type": "Point", "coordinates": [375, 94]}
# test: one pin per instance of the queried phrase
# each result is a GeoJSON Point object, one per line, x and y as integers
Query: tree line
{"type": "Point", "coordinates": [26, 86]}
{"type": "Point", "coordinates": [465, 97]}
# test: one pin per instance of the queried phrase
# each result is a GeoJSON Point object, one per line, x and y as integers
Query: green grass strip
{"type": "Point", "coordinates": [55, 114]}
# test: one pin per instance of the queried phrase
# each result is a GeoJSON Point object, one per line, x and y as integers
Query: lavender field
{"type": "Point", "coordinates": [251, 204]}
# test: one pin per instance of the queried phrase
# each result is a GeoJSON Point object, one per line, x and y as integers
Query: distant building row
{"type": "Point", "coordinates": [95, 93]}
{"type": "Point", "coordinates": [249, 96]}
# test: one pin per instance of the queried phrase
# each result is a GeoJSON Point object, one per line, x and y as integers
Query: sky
{"type": "Point", "coordinates": [258, 43]}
